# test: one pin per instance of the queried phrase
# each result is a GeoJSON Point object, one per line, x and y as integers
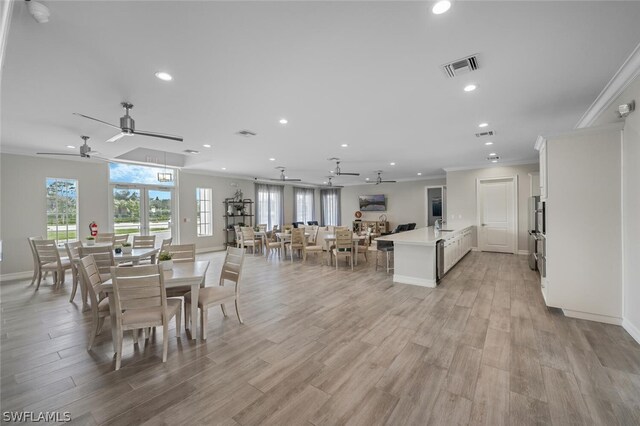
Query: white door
{"type": "Point", "coordinates": [497, 215]}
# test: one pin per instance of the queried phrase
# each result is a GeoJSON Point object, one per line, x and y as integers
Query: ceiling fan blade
{"type": "Point", "coordinates": [158, 135]}
{"type": "Point", "coordinates": [95, 119]}
{"type": "Point", "coordinates": [387, 181]}
{"type": "Point", "coordinates": [347, 174]}
{"type": "Point", "coordinates": [116, 137]}
{"type": "Point", "coordinates": [371, 181]}
{"type": "Point", "coordinates": [57, 153]}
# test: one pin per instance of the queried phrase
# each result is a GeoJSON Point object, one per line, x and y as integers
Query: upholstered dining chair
{"type": "Point", "coordinates": [221, 294]}
{"type": "Point", "coordinates": [298, 241]}
{"type": "Point", "coordinates": [73, 251]}
{"type": "Point", "coordinates": [313, 246]}
{"type": "Point", "coordinates": [343, 246]}
{"type": "Point", "coordinates": [141, 302]}
{"type": "Point", "coordinates": [49, 260]}
{"type": "Point", "coordinates": [249, 239]}
{"type": "Point", "coordinates": [99, 302]}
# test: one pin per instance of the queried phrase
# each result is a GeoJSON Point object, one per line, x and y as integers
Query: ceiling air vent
{"type": "Point", "coordinates": [246, 133]}
{"type": "Point", "coordinates": [461, 66]}
{"type": "Point", "coordinates": [191, 151]}
{"type": "Point", "coordinates": [489, 133]}
{"type": "Point", "coordinates": [493, 158]}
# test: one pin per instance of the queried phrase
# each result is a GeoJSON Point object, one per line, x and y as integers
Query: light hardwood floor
{"type": "Point", "coordinates": [323, 347]}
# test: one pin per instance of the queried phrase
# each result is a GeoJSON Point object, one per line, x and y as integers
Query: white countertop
{"type": "Point", "coordinates": [425, 236]}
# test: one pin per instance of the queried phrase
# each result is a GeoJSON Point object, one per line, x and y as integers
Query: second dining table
{"type": "Point", "coordinates": [328, 238]}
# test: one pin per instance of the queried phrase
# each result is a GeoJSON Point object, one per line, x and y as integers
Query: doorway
{"type": "Point", "coordinates": [143, 210]}
{"type": "Point", "coordinates": [435, 204]}
{"type": "Point", "coordinates": [497, 212]}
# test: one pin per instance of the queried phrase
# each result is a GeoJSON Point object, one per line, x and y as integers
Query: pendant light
{"type": "Point", "coordinates": [165, 176]}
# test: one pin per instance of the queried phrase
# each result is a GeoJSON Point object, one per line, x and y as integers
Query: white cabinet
{"type": "Point", "coordinates": [456, 246]}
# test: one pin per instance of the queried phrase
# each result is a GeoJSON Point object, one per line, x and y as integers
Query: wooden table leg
{"type": "Point", "coordinates": [195, 290]}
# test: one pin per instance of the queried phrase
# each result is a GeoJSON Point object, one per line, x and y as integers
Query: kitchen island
{"type": "Point", "coordinates": [415, 252]}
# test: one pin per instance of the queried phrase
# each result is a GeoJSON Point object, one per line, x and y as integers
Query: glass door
{"type": "Point", "coordinates": [143, 210]}
{"type": "Point", "coordinates": [159, 213]}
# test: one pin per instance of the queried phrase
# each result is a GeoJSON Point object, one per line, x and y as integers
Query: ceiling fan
{"type": "Point", "coordinates": [339, 172]}
{"type": "Point", "coordinates": [85, 151]}
{"type": "Point", "coordinates": [379, 180]}
{"type": "Point", "coordinates": [128, 126]}
{"type": "Point", "coordinates": [330, 184]}
{"type": "Point", "coordinates": [284, 178]}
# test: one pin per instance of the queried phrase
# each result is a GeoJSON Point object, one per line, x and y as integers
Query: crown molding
{"type": "Point", "coordinates": [629, 70]}
{"type": "Point", "coordinates": [5, 21]}
{"type": "Point", "coordinates": [617, 126]}
{"type": "Point", "coordinates": [491, 166]}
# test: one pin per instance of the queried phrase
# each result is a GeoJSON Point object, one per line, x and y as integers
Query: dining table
{"type": "Point", "coordinates": [329, 238]}
{"type": "Point", "coordinates": [182, 273]}
{"type": "Point", "coordinates": [136, 255]}
{"type": "Point", "coordinates": [285, 237]}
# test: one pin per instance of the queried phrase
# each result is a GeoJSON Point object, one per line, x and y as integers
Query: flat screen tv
{"type": "Point", "coordinates": [372, 203]}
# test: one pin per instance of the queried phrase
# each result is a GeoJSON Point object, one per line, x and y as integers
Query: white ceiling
{"type": "Point", "coordinates": [363, 73]}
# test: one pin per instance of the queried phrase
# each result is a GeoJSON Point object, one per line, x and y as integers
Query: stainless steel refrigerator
{"type": "Point", "coordinates": [536, 231]}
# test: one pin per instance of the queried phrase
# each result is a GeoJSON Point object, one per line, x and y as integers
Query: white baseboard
{"type": "Point", "coordinates": [16, 276]}
{"type": "Point", "coordinates": [422, 282]}
{"type": "Point", "coordinates": [210, 249]}
{"type": "Point", "coordinates": [631, 329]}
{"type": "Point", "coordinates": [592, 317]}
{"type": "Point", "coordinates": [475, 249]}
{"type": "Point", "coordinates": [523, 252]}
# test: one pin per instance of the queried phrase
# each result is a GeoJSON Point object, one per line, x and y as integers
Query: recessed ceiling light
{"type": "Point", "coordinates": [330, 171]}
{"type": "Point", "coordinates": [469, 87]}
{"type": "Point", "coordinates": [492, 154]}
{"type": "Point", "coordinates": [70, 146]}
{"type": "Point", "coordinates": [488, 143]}
{"type": "Point", "coordinates": [224, 168]}
{"type": "Point", "coordinates": [206, 145]}
{"type": "Point", "coordinates": [272, 159]}
{"type": "Point", "coordinates": [392, 164]}
{"type": "Point", "coordinates": [367, 179]}
{"type": "Point", "coordinates": [164, 76]}
{"type": "Point", "coordinates": [441, 7]}
{"type": "Point", "coordinates": [191, 151]}
{"type": "Point", "coordinates": [344, 145]}
{"type": "Point", "coordinates": [483, 124]}
{"type": "Point", "coordinates": [283, 121]}
{"type": "Point", "coordinates": [419, 174]}
{"type": "Point", "coordinates": [324, 183]}
{"type": "Point", "coordinates": [494, 161]}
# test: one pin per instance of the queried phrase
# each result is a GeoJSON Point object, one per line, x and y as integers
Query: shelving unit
{"type": "Point", "coordinates": [242, 214]}
{"type": "Point", "coordinates": [377, 226]}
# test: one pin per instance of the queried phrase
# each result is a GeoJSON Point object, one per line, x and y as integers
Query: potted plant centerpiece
{"type": "Point", "coordinates": [90, 241]}
{"type": "Point", "coordinates": [126, 248]}
{"type": "Point", "coordinates": [165, 260]}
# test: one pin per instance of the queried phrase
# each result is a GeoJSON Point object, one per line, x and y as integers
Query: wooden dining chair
{"type": "Point", "coordinates": [298, 242]}
{"type": "Point", "coordinates": [144, 241]}
{"type": "Point", "coordinates": [238, 232]}
{"type": "Point", "coordinates": [105, 237]}
{"type": "Point", "coordinates": [73, 251]}
{"type": "Point", "coordinates": [34, 254]}
{"type": "Point", "coordinates": [343, 246]}
{"type": "Point", "coordinates": [180, 254]}
{"type": "Point", "coordinates": [141, 302]}
{"type": "Point", "coordinates": [262, 227]}
{"type": "Point", "coordinates": [49, 260]}
{"type": "Point", "coordinates": [221, 294]}
{"type": "Point", "coordinates": [121, 239]}
{"type": "Point", "coordinates": [363, 248]}
{"type": "Point", "coordinates": [249, 239]}
{"type": "Point", "coordinates": [99, 302]}
{"type": "Point", "coordinates": [163, 247]}
{"type": "Point", "coordinates": [103, 256]}
{"type": "Point", "coordinates": [271, 244]}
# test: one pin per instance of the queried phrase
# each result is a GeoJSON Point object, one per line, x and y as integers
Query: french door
{"type": "Point", "coordinates": [143, 210]}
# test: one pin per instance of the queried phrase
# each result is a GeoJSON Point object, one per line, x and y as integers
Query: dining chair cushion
{"type": "Point", "coordinates": [209, 295]}
{"type": "Point", "coordinates": [103, 305]}
{"type": "Point", "coordinates": [105, 277]}
{"type": "Point", "coordinates": [150, 315]}
{"type": "Point", "coordinates": [64, 261]}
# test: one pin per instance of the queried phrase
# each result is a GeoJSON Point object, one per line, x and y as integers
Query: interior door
{"type": "Point", "coordinates": [496, 205]}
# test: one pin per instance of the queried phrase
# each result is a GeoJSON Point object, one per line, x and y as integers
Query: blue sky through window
{"type": "Point", "coordinates": [133, 173]}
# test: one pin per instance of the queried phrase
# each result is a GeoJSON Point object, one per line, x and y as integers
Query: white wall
{"type": "Point", "coordinates": [222, 188]}
{"type": "Point", "coordinates": [405, 202]}
{"type": "Point", "coordinates": [23, 202]}
{"type": "Point", "coordinates": [461, 195]}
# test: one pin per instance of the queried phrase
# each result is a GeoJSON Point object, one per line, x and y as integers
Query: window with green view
{"type": "Point", "coordinates": [62, 210]}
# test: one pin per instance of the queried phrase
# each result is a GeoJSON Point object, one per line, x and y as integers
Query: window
{"type": "Point", "coordinates": [204, 215]}
{"type": "Point", "coordinates": [62, 210]}
{"type": "Point", "coordinates": [330, 207]}
{"type": "Point", "coordinates": [269, 205]}
{"type": "Point", "coordinates": [303, 210]}
{"type": "Point", "coordinates": [133, 173]}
